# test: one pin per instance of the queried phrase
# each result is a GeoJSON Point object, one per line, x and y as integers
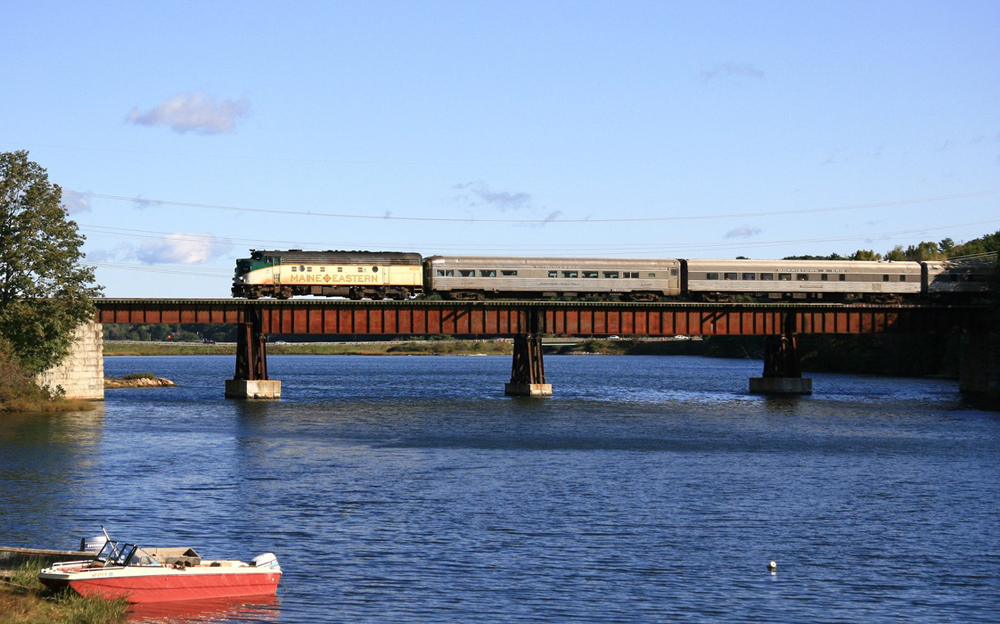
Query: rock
{"type": "Point", "coordinates": [144, 382]}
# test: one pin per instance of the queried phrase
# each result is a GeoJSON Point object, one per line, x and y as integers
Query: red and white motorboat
{"type": "Point", "coordinates": [163, 574]}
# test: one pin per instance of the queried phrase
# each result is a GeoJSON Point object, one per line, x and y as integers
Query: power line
{"type": "Point", "coordinates": [547, 249]}
{"type": "Point", "coordinates": [547, 221]}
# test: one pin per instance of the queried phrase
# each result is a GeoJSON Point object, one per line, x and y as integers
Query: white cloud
{"type": "Point", "coordinates": [483, 195]}
{"type": "Point", "coordinates": [183, 249]}
{"type": "Point", "coordinates": [732, 70]}
{"type": "Point", "coordinates": [193, 112]}
{"type": "Point", "coordinates": [743, 232]}
{"type": "Point", "coordinates": [74, 202]}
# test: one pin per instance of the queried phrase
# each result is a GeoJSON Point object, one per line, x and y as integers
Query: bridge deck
{"type": "Point", "coordinates": [566, 318]}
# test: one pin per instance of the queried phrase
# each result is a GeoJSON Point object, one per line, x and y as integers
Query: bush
{"type": "Point", "coordinates": [131, 376]}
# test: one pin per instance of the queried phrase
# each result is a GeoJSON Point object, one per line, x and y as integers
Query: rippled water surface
{"type": "Point", "coordinates": [409, 489]}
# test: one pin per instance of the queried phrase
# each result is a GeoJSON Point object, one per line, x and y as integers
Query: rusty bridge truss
{"type": "Point", "coordinates": [527, 322]}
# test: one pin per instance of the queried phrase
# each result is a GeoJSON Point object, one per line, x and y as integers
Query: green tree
{"type": "Point", "coordinates": [44, 290]}
{"type": "Point", "coordinates": [924, 251]}
{"type": "Point", "coordinates": [896, 254]}
{"type": "Point", "coordinates": [865, 254]}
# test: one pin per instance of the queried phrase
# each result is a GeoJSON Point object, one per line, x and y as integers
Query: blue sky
{"type": "Point", "coordinates": [186, 133]}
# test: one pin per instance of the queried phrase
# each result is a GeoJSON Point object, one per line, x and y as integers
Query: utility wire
{"type": "Point", "coordinates": [546, 221]}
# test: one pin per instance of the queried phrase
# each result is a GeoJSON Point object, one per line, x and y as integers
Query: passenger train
{"type": "Point", "coordinates": [402, 275]}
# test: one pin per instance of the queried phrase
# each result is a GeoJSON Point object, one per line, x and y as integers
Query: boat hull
{"type": "Point", "coordinates": [167, 584]}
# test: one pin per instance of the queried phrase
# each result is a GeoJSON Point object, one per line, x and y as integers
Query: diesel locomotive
{"type": "Point", "coordinates": [402, 275]}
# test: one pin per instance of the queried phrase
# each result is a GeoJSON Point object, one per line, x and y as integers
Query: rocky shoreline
{"type": "Point", "coordinates": [142, 382]}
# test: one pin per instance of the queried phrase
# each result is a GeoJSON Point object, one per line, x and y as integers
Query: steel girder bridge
{"type": "Point", "coordinates": [527, 321]}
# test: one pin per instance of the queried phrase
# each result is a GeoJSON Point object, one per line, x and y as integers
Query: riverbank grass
{"type": "Point", "coordinates": [24, 600]}
{"type": "Point", "coordinates": [31, 398]}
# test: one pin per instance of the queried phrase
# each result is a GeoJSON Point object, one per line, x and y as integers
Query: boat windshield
{"type": "Point", "coordinates": [122, 554]}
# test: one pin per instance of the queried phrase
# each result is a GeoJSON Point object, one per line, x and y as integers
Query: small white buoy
{"type": "Point", "coordinates": [773, 567]}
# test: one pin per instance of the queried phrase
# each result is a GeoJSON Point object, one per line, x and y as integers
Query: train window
{"type": "Point", "coordinates": [843, 277]}
{"type": "Point", "coordinates": [902, 278]}
{"type": "Point", "coordinates": [466, 273]}
{"type": "Point", "coordinates": [729, 276]}
{"type": "Point", "coordinates": [611, 274]}
{"type": "Point", "coordinates": [673, 272]}
{"type": "Point", "coordinates": [802, 277]}
{"type": "Point", "coordinates": [570, 274]}
{"type": "Point", "coordinates": [767, 277]}
{"type": "Point", "coordinates": [824, 277]}
{"type": "Point", "coordinates": [553, 273]}
{"type": "Point", "coordinates": [749, 276]}
{"type": "Point", "coordinates": [487, 273]}
{"type": "Point", "coordinates": [631, 274]}
{"type": "Point", "coordinates": [509, 272]}
{"type": "Point", "coordinates": [885, 278]}
{"type": "Point", "coordinates": [712, 276]}
{"type": "Point", "coordinates": [650, 274]}
{"type": "Point", "coordinates": [590, 274]}
{"type": "Point", "coordinates": [784, 277]}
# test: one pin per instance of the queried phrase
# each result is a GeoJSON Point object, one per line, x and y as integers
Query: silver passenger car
{"type": "Point", "coordinates": [722, 280]}
{"type": "Point", "coordinates": [943, 276]}
{"type": "Point", "coordinates": [478, 277]}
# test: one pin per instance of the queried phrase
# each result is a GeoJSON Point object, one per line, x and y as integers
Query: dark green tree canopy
{"type": "Point", "coordinates": [44, 290]}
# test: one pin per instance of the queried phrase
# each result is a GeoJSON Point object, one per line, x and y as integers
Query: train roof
{"type": "Point", "coordinates": [776, 265]}
{"type": "Point", "coordinates": [292, 256]}
{"type": "Point", "coordinates": [552, 261]}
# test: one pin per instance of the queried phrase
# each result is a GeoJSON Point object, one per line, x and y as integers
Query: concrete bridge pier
{"type": "Point", "coordinates": [527, 371]}
{"type": "Point", "coordinates": [782, 369]}
{"type": "Point", "coordinates": [980, 368]}
{"type": "Point", "coordinates": [250, 379]}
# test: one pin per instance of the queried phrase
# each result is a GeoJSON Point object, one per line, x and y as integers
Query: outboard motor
{"type": "Point", "coordinates": [93, 544]}
{"type": "Point", "coordinates": [265, 560]}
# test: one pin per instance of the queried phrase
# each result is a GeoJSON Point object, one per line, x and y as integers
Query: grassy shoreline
{"type": "Point", "coordinates": [24, 600]}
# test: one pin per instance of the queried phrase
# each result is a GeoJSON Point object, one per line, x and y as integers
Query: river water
{"type": "Point", "coordinates": [648, 489]}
